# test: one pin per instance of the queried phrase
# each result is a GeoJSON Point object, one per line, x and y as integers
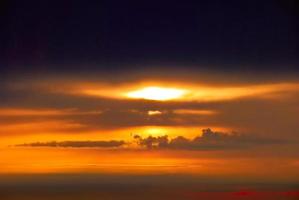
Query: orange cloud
{"type": "Point", "coordinates": [43, 112]}
{"type": "Point", "coordinates": [195, 112]}
{"type": "Point", "coordinates": [42, 126]}
{"type": "Point", "coordinates": [188, 92]}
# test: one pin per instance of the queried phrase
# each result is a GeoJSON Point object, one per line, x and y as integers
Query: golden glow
{"type": "Point", "coordinates": [155, 131]}
{"type": "Point", "coordinates": [194, 112]}
{"type": "Point", "coordinates": [71, 160]}
{"type": "Point", "coordinates": [185, 92]}
{"type": "Point", "coordinates": [171, 131]}
{"type": "Point", "coordinates": [124, 115]}
{"type": "Point", "coordinates": [59, 131]}
{"type": "Point", "coordinates": [157, 93]}
{"type": "Point", "coordinates": [52, 160]}
{"type": "Point", "coordinates": [154, 112]}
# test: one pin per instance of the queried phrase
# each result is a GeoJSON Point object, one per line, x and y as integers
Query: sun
{"type": "Point", "coordinates": [157, 93]}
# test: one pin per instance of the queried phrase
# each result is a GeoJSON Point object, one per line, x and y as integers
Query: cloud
{"type": "Point", "coordinates": [194, 112]}
{"type": "Point", "coordinates": [30, 104]}
{"type": "Point", "coordinates": [10, 112]}
{"type": "Point", "coordinates": [151, 142]}
{"type": "Point", "coordinates": [209, 140]}
{"type": "Point", "coordinates": [77, 144]}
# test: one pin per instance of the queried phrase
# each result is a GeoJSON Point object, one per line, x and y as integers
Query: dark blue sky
{"type": "Point", "coordinates": [105, 35]}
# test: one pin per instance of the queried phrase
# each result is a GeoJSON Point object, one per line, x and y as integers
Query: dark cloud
{"type": "Point", "coordinates": [77, 144]}
{"type": "Point", "coordinates": [152, 142]}
{"type": "Point", "coordinates": [209, 140]}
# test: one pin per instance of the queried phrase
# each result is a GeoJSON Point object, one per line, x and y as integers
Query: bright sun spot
{"type": "Point", "coordinates": [157, 93]}
{"type": "Point", "coordinates": [154, 112]}
{"type": "Point", "coordinates": [155, 131]}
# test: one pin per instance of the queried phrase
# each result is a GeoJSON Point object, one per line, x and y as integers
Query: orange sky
{"type": "Point", "coordinates": [243, 116]}
{"type": "Point", "coordinates": [137, 108]}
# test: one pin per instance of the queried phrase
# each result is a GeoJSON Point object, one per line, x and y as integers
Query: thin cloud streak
{"type": "Point", "coordinates": [9, 112]}
{"type": "Point", "coordinates": [77, 144]}
{"type": "Point", "coordinates": [209, 140]}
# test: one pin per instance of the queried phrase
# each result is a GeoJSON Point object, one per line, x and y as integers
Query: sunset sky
{"type": "Point", "coordinates": [202, 89]}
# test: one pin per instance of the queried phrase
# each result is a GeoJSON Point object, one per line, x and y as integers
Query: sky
{"type": "Point", "coordinates": [204, 89]}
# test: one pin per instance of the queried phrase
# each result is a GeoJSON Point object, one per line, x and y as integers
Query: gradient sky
{"type": "Point", "coordinates": [208, 89]}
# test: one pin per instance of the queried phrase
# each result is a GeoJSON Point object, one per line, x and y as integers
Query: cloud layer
{"type": "Point", "coordinates": [209, 140]}
{"type": "Point", "coordinates": [53, 105]}
{"type": "Point", "coordinates": [77, 144]}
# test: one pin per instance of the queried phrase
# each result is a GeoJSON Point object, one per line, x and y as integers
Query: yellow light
{"type": "Point", "coordinates": [156, 93]}
{"type": "Point", "coordinates": [154, 112]}
{"type": "Point", "coordinates": [155, 131]}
